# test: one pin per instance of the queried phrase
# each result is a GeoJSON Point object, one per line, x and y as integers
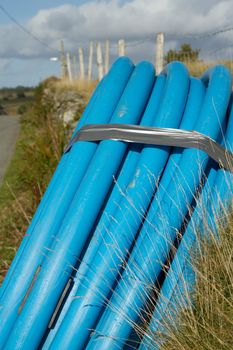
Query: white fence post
{"type": "Point", "coordinates": [81, 64]}
{"type": "Point", "coordinates": [69, 67]}
{"type": "Point", "coordinates": [64, 70]}
{"type": "Point", "coordinates": [106, 66]}
{"type": "Point", "coordinates": [121, 47]}
{"type": "Point", "coordinates": [99, 61]}
{"type": "Point", "coordinates": [90, 61]}
{"type": "Point", "coordinates": [74, 67]}
{"type": "Point", "coordinates": [159, 53]}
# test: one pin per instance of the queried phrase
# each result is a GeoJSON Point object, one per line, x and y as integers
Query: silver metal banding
{"type": "Point", "coordinates": [155, 136]}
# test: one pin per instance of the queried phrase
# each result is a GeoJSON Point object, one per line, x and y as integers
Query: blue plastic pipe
{"type": "Point", "coordinates": [175, 289]}
{"type": "Point", "coordinates": [216, 195]}
{"type": "Point", "coordinates": [45, 199]}
{"type": "Point", "coordinates": [97, 283]}
{"type": "Point", "coordinates": [111, 206]}
{"type": "Point", "coordinates": [80, 218]}
{"type": "Point", "coordinates": [147, 259]}
{"type": "Point", "coordinates": [68, 176]}
{"type": "Point", "coordinates": [192, 110]}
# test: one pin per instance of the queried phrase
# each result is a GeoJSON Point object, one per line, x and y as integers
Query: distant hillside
{"type": "Point", "coordinates": [12, 98]}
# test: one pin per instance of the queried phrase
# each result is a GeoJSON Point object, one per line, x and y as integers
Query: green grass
{"type": "Point", "coordinates": [38, 149]}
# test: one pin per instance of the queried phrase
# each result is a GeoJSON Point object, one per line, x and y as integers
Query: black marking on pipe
{"type": "Point", "coordinates": [57, 310]}
{"type": "Point", "coordinates": [29, 289]}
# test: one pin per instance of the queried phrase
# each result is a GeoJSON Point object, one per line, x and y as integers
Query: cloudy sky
{"type": "Point", "coordinates": [25, 51]}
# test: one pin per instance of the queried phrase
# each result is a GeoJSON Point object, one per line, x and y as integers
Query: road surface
{"type": "Point", "coordinates": [9, 129]}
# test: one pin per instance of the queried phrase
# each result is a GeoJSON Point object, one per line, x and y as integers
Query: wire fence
{"type": "Point", "coordinates": [197, 51]}
{"type": "Point", "coordinates": [91, 60]}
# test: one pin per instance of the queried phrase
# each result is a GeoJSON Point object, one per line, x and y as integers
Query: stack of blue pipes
{"type": "Point", "coordinates": [103, 233]}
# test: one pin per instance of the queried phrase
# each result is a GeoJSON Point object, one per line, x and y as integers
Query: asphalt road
{"type": "Point", "coordinates": [9, 129]}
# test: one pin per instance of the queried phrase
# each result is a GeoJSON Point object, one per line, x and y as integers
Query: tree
{"type": "Point", "coordinates": [185, 53]}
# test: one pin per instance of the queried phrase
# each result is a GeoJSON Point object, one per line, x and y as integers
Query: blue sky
{"type": "Point", "coordinates": [16, 72]}
{"type": "Point", "coordinates": [24, 61]}
{"type": "Point", "coordinates": [25, 9]}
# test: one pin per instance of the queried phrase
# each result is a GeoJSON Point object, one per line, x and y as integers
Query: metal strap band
{"type": "Point", "coordinates": [155, 136]}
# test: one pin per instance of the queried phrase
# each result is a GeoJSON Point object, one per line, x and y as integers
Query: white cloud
{"type": "Point", "coordinates": [4, 64]}
{"type": "Point", "coordinates": [135, 20]}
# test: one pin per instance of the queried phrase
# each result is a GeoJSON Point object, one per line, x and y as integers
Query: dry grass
{"type": "Point", "coordinates": [202, 319]}
{"type": "Point", "coordinates": [84, 86]}
{"type": "Point", "coordinates": [197, 68]}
